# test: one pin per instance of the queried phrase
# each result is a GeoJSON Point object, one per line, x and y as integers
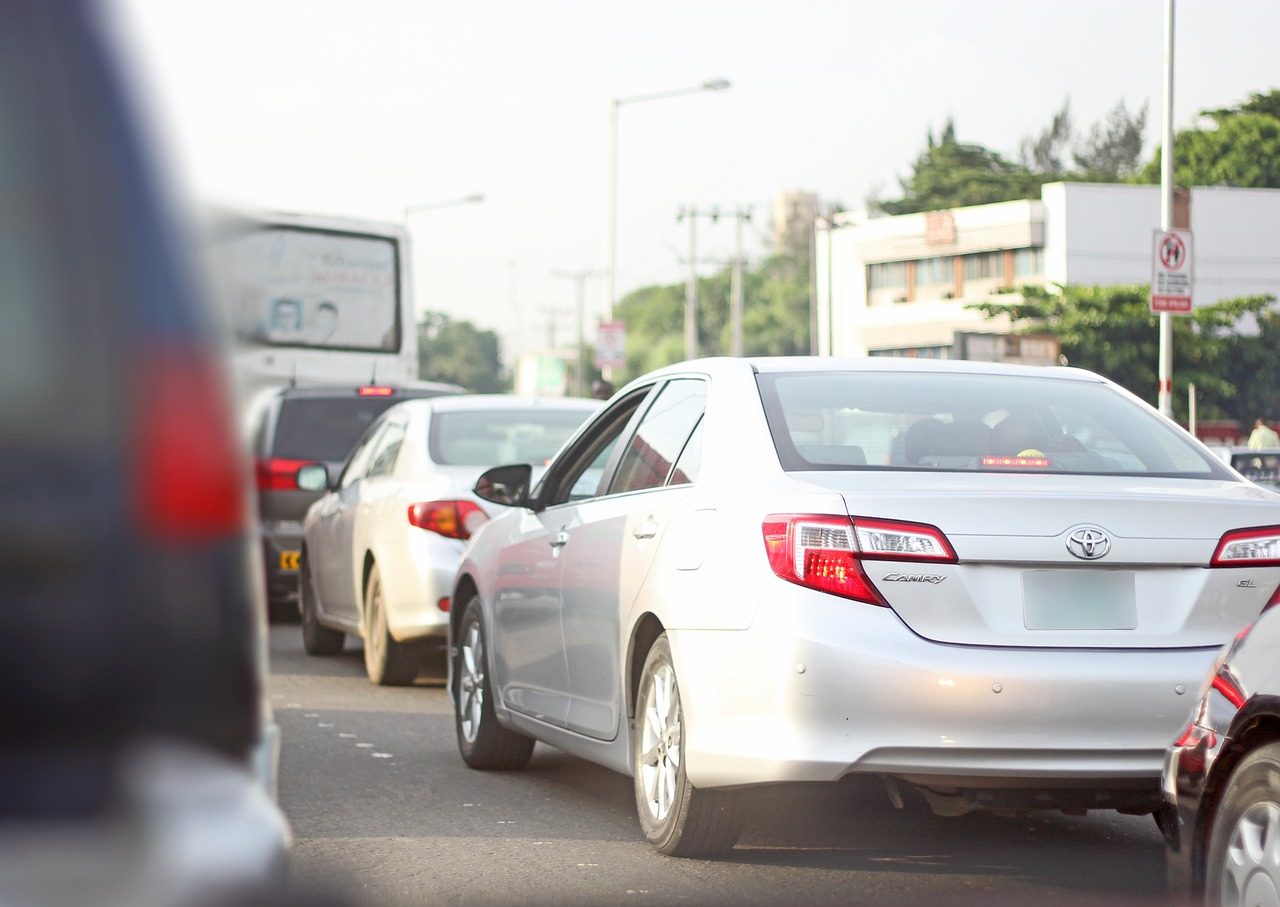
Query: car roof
{"type": "Point", "coordinates": [347, 390]}
{"type": "Point", "coordinates": [474, 402]}
{"type": "Point", "coordinates": [871, 364]}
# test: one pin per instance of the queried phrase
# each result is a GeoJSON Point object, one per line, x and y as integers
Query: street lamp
{"type": "Point", "coordinates": [612, 227]}
{"type": "Point", "coordinates": [446, 203]}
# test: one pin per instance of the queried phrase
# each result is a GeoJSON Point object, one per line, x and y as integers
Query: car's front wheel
{"type": "Point", "coordinates": [1243, 867]}
{"type": "Point", "coordinates": [387, 662]}
{"type": "Point", "coordinates": [677, 818]}
{"type": "Point", "coordinates": [317, 639]}
{"type": "Point", "coordinates": [483, 742]}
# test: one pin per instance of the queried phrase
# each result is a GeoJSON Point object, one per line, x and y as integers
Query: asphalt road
{"type": "Point", "coordinates": [386, 813]}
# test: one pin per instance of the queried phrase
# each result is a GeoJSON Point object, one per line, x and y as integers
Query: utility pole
{"type": "Point", "coordinates": [1165, 364]}
{"type": "Point", "coordinates": [580, 277]}
{"type": "Point", "coordinates": [691, 288]}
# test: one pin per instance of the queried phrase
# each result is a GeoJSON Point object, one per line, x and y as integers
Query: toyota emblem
{"type": "Point", "coordinates": [1088, 543]}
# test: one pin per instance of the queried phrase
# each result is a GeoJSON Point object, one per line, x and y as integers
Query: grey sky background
{"type": "Point", "coordinates": [364, 108]}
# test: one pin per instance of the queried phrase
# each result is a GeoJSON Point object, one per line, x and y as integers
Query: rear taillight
{"type": "Point", "coordinates": [1257, 547]}
{"type": "Point", "coordinates": [274, 474]}
{"type": "Point", "coordinates": [372, 390]}
{"type": "Point", "coordinates": [825, 552]}
{"type": "Point", "coordinates": [453, 519]}
{"type": "Point", "coordinates": [189, 478]}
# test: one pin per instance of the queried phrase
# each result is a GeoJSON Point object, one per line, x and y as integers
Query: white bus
{"type": "Point", "coordinates": [316, 300]}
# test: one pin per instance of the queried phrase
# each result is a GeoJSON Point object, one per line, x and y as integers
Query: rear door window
{"type": "Point", "coordinates": [664, 430]}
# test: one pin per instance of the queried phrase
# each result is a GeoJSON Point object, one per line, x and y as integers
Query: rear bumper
{"type": "Point", "coordinates": [818, 688]}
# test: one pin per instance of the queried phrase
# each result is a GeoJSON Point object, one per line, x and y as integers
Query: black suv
{"type": "Point", "coordinates": [294, 426]}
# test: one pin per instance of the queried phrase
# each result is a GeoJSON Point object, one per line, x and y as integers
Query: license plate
{"type": "Point", "coordinates": [1079, 600]}
{"type": "Point", "coordinates": [289, 560]}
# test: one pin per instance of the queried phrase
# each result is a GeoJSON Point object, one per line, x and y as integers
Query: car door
{"type": "Point", "coordinates": [529, 665]}
{"type": "Point", "coordinates": [331, 532]}
{"type": "Point", "coordinates": [609, 542]}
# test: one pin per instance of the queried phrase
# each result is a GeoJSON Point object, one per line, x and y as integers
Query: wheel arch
{"type": "Point", "coordinates": [1259, 731]}
{"type": "Point", "coordinates": [646, 630]}
{"type": "Point", "coordinates": [464, 590]}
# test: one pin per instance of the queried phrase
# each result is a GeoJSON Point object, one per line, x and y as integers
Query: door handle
{"type": "Point", "coordinates": [560, 539]}
{"type": "Point", "coordinates": [646, 530]}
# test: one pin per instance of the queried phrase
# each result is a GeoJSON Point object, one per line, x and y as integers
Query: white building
{"type": "Point", "coordinates": [900, 285]}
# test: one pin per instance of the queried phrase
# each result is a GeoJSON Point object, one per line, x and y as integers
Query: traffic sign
{"type": "Point", "coordinates": [1171, 276]}
{"type": "Point", "coordinates": [611, 344]}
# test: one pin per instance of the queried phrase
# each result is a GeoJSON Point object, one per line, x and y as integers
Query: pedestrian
{"type": "Point", "coordinates": [1263, 435]}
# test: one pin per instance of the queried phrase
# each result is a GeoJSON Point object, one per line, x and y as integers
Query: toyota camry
{"type": "Point", "coordinates": [990, 586]}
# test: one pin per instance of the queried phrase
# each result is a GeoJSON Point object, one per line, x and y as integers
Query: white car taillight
{"type": "Point", "coordinates": [825, 552]}
{"type": "Point", "coordinates": [1257, 547]}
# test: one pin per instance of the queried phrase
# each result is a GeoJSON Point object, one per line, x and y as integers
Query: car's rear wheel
{"type": "Point", "coordinates": [317, 639]}
{"type": "Point", "coordinates": [387, 662]}
{"type": "Point", "coordinates": [1243, 868]}
{"type": "Point", "coordinates": [483, 743]}
{"type": "Point", "coordinates": [677, 818]}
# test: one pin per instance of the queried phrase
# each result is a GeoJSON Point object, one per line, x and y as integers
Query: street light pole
{"type": "Point", "coordinates": [446, 203]}
{"type": "Point", "coordinates": [1164, 398]}
{"type": "Point", "coordinates": [611, 227]}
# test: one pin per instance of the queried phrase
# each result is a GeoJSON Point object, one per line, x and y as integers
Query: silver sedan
{"type": "Point", "coordinates": [993, 587]}
{"type": "Point", "coordinates": [381, 546]}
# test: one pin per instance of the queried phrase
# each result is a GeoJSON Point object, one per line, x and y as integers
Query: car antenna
{"type": "Point", "coordinates": [374, 379]}
{"type": "Point", "coordinates": [293, 375]}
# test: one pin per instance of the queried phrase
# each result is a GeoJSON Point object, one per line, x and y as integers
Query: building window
{"type": "Point", "coordinates": [933, 271]}
{"type": "Point", "coordinates": [984, 266]}
{"type": "Point", "coordinates": [886, 275]}
{"type": "Point", "coordinates": [1028, 262]}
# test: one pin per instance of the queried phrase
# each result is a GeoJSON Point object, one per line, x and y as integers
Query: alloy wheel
{"type": "Point", "coordinates": [471, 681]}
{"type": "Point", "coordinates": [1251, 876]}
{"type": "Point", "coordinates": [660, 743]}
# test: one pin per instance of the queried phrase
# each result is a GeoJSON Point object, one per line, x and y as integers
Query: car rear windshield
{"type": "Point", "coordinates": [496, 436]}
{"type": "Point", "coordinates": [324, 428]}
{"type": "Point", "coordinates": [967, 422]}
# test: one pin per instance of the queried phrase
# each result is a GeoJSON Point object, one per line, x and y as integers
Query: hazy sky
{"type": "Point", "coordinates": [362, 108]}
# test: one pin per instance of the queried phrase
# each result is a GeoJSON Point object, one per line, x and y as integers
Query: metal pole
{"type": "Point", "coordinates": [1165, 398]}
{"type": "Point", "coordinates": [736, 314]}
{"type": "Point", "coordinates": [612, 225]}
{"type": "Point", "coordinates": [691, 293]}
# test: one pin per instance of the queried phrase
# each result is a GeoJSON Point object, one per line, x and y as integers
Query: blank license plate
{"type": "Point", "coordinates": [1079, 600]}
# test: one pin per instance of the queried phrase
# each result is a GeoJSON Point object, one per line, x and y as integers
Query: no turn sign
{"type": "Point", "coordinates": [1171, 272]}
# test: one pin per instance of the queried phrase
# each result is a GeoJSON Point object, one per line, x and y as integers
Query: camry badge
{"type": "Point", "coordinates": [931, 578]}
{"type": "Point", "coordinates": [1088, 543]}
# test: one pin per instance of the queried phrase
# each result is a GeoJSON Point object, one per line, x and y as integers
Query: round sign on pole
{"type": "Point", "coordinates": [1171, 272]}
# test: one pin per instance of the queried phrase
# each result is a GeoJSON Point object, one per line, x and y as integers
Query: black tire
{"type": "Point", "coordinates": [387, 662]}
{"type": "Point", "coordinates": [1244, 844]}
{"type": "Point", "coordinates": [316, 638]}
{"type": "Point", "coordinates": [483, 743]}
{"type": "Point", "coordinates": [677, 818]}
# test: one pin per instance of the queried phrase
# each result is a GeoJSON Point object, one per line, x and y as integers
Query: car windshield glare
{"type": "Point", "coordinates": [1015, 423]}
{"type": "Point", "coordinates": [492, 436]}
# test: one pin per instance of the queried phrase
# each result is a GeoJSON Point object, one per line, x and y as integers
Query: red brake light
{"type": "Point", "coordinates": [189, 479]}
{"type": "Point", "coordinates": [370, 390]}
{"type": "Point", "coordinates": [274, 474]}
{"type": "Point", "coordinates": [1256, 547]}
{"type": "Point", "coordinates": [826, 552]}
{"type": "Point", "coordinates": [452, 519]}
{"type": "Point", "coordinates": [1019, 462]}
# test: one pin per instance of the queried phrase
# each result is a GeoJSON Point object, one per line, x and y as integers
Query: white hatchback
{"type": "Point", "coordinates": [997, 586]}
{"type": "Point", "coordinates": [381, 546]}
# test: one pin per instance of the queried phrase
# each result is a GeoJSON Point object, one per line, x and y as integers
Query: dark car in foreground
{"type": "Point", "coordinates": [1222, 777]}
{"type": "Point", "coordinates": [137, 756]}
{"type": "Point", "coordinates": [292, 427]}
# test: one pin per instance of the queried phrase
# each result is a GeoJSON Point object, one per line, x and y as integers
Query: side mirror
{"type": "Point", "coordinates": [313, 477]}
{"type": "Point", "coordinates": [506, 485]}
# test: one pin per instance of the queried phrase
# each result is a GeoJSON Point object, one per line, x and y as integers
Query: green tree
{"type": "Point", "coordinates": [1112, 151]}
{"type": "Point", "coordinates": [1253, 366]}
{"type": "Point", "coordinates": [1111, 330]}
{"type": "Point", "coordinates": [1046, 152]}
{"type": "Point", "coordinates": [1241, 147]}
{"type": "Point", "coordinates": [948, 174]}
{"type": "Point", "coordinates": [457, 353]}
